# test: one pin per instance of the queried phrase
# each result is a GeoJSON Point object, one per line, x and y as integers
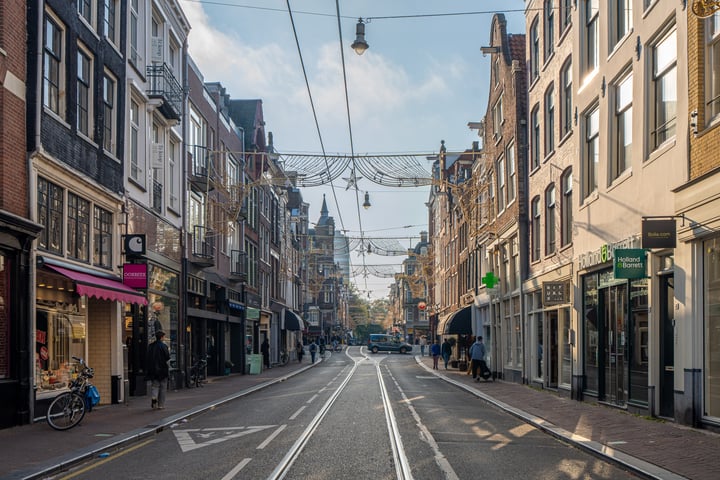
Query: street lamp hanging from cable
{"type": "Point", "coordinates": [366, 203]}
{"type": "Point", "coordinates": [360, 45]}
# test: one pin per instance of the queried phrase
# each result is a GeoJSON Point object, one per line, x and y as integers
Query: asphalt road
{"type": "Point", "coordinates": [356, 415]}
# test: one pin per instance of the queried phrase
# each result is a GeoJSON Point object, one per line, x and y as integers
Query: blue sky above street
{"type": "Point", "coordinates": [421, 81]}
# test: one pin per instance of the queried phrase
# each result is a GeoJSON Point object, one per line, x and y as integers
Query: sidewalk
{"type": "Point", "coordinates": [649, 447]}
{"type": "Point", "coordinates": [34, 451]}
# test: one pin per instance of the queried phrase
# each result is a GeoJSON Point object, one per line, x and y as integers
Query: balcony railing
{"type": "Point", "coordinates": [165, 86]}
{"type": "Point", "coordinates": [238, 265]}
{"type": "Point", "coordinates": [200, 166]}
{"type": "Point", "coordinates": [203, 246]}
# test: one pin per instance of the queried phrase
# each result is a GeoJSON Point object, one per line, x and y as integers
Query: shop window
{"type": "Point", "coordinates": [711, 287]}
{"type": "Point", "coordinates": [60, 335]}
{"type": "Point", "coordinates": [4, 316]}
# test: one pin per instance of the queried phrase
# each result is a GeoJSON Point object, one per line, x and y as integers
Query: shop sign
{"type": "Point", "coordinates": [252, 313]}
{"type": "Point", "coordinates": [135, 275]}
{"type": "Point", "coordinates": [630, 263]}
{"type": "Point", "coordinates": [658, 233]}
{"type": "Point", "coordinates": [556, 293]}
{"type": "Point", "coordinates": [605, 253]}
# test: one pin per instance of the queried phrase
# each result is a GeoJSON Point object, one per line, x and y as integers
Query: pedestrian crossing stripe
{"type": "Point", "coordinates": [194, 438]}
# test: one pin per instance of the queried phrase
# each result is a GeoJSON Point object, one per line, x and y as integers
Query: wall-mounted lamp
{"type": "Point", "coordinates": [360, 45]}
{"type": "Point", "coordinates": [366, 203]}
{"type": "Point", "coordinates": [489, 50]}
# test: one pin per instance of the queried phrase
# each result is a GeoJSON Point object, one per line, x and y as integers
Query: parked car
{"type": "Point", "coordinates": [380, 342]}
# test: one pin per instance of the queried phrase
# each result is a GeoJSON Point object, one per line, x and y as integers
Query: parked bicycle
{"type": "Point", "coordinates": [284, 358]}
{"type": "Point", "coordinates": [68, 409]}
{"type": "Point", "coordinates": [197, 373]}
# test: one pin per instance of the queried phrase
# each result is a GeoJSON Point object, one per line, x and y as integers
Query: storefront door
{"type": "Point", "coordinates": [552, 349]}
{"type": "Point", "coordinates": [613, 301]}
{"type": "Point", "coordinates": [667, 347]}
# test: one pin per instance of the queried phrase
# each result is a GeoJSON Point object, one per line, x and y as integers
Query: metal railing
{"type": "Point", "coordinates": [203, 244]}
{"type": "Point", "coordinates": [164, 85]}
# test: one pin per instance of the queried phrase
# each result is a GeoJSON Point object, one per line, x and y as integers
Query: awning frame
{"type": "Point", "coordinates": [100, 287]}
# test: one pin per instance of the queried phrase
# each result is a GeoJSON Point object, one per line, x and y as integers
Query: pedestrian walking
{"type": "Point", "coordinates": [445, 350]}
{"type": "Point", "coordinates": [300, 350]}
{"type": "Point", "coordinates": [265, 350]}
{"type": "Point", "coordinates": [157, 370]}
{"type": "Point", "coordinates": [423, 342]}
{"type": "Point", "coordinates": [435, 352]}
{"type": "Point", "coordinates": [313, 350]}
{"type": "Point", "coordinates": [477, 360]}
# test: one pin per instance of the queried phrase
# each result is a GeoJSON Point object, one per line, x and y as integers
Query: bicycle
{"type": "Point", "coordinates": [197, 373]}
{"type": "Point", "coordinates": [284, 358]}
{"type": "Point", "coordinates": [68, 409]}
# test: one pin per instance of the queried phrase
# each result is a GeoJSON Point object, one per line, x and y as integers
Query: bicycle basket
{"type": "Point", "coordinates": [92, 396]}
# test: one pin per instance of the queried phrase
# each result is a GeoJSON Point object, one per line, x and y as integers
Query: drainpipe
{"type": "Point", "coordinates": [184, 353]}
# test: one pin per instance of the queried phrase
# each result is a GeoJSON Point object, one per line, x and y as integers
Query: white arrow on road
{"type": "Point", "coordinates": [194, 438]}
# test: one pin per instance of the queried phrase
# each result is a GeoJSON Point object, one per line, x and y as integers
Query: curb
{"type": "Point", "coordinates": [72, 458]}
{"type": "Point", "coordinates": [636, 465]}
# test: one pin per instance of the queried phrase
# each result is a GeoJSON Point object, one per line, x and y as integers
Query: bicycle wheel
{"type": "Point", "coordinates": [66, 411]}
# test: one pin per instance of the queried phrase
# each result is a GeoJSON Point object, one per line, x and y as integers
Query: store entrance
{"type": "Point", "coordinates": [667, 347]}
{"type": "Point", "coordinates": [552, 349]}
{"type": "Point", "coordinates": [614, 302]}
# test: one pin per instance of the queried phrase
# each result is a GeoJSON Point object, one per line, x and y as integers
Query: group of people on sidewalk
{"type": "Point", "coordinates": [478, 353]}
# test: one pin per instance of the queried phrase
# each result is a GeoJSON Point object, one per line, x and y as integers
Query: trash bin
{"type": "Point", "coordinates": [254, 362]}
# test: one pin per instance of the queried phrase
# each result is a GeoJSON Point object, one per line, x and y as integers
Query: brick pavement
{"type": "Point", "coordinates": [655, 448]}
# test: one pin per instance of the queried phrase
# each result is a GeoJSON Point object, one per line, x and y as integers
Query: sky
{"type": "Point", "coordinates": [421, 81]}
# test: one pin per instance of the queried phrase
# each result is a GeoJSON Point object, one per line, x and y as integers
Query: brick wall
{"type": "Point", "coordinates": [13, 170]}
{"type": "Point", "coordinates": [705, 145]}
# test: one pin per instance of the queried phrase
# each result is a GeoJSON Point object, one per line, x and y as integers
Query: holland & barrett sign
{"type": "Point", "coordinates": [630, 263]}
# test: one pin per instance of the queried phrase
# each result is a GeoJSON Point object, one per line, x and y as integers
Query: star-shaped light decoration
{"type": "Point", "coordinates": [352, 181]}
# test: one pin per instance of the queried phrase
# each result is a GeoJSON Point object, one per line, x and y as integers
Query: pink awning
{"type": "Point", "coordinates": [99, 287]}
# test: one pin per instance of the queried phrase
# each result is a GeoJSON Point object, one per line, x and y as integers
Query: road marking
{"type": "Point", "coordinates": [271, 437]}
{"type": "Point", "coordinates": [312, 398]}
{"type": "Point", "coordinates": [231, 474]}
{"type": "Point", "coordinates": [295, 415]}
{"type": "Point", "coordinates": [106, 460]}
{"type": "Point", "coordinates": [210, 436]}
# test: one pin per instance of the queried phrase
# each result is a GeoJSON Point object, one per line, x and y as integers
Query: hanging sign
{"type": "Point", "coordinates": [630, 263]}
{"type": "Point", "coordinates": [658, 233]}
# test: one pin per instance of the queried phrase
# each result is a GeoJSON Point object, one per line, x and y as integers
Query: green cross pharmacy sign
{"type": "Point", "coordinates": [630, 263]}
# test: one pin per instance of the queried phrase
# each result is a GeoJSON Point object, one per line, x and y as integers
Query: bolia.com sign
{"type": "Point", "coordinates": [630, 263]}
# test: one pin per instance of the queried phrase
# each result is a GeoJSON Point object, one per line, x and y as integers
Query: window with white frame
{"type": "Point", "coordinates": [549, 120]}
{"type": "Point", "coordinates": [591, 154]}
{"type": "Point", "coordinates": [566, 213]}
{"type": "Point", "coordinates": [623, 127]}
{"type": "Point", "coordinates": [136, 155]}
{"type": "Point", "coordinates": [664, 88]}
{"type": "Point", "coordinates": [78, 228]}
{"type": "Point", "coordinates": [535, 137]}
{"type": "Point", "coordinates": [196, 210]}
{"type": "Point", "coordinates": [535, 229]}
{"type": "Point", "coordinates": [500, 171]}
{"type": "Point", "coordinates": [566, 99]}
{"type": "Point", "coordinates": [173, 174]}
{"type": "Point", "coordinates": [511, 173]}
{"type": "Point", "coordinates": [84, 92]}
{"type": "Point", "coordinates": [54, 65]}
{"type": "Point", "coordinates": [86, 10]}
{"type": "Point", "coordinates": [497, 118]}
{"type": "Point", "coordinates": [496, 70]}
{"type": "Point", "coordinates": [157, 164]}
{"type": "Point", "coordinates": [550, 220]}
{"type": "Point", "coordinates": [112, 21]}
{"type": "Point", "coordinates": [621, 14]}
{"type": "Point", "coordinates": [534, 50]}
{"type": "Point", "coordinates": [549, 30]}
{"type": "Point", "coordinates": [174, 57]}
{"type": "Point", "coordinates": [135, 33]}
{"type": "Point", "coordinates": [591, 36]}
{"type": "Point", "coordinates": [712, 68]}
{"type": "Point", "coordinates": [102, 237]}
{"type": "Point", "coordinates": [50, 210]}
{"type": "Point", "coordinates": [110, 113]}
{"type": "Point", "coordinates": [566, 7]}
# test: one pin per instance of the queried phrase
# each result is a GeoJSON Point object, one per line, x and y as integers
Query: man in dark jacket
{"type": "Point", "coordinates": [158, 355]}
